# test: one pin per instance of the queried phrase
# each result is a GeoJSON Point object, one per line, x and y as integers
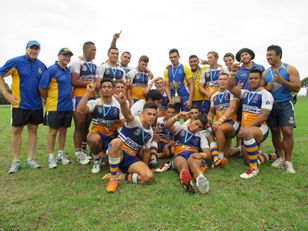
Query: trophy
{"type": "Point", "coordinates": [176, 97]}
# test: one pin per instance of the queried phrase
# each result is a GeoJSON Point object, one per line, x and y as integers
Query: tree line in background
{"type": "Point", "coordinates": [304, 82]}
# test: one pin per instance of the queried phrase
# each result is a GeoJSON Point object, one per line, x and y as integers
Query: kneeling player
{"type": "Point", "coordinates": [135, 135]}
{"type": "Point", "coordinates": [223, 108]}
{"type": "Point", "coordinates": [257, 105]}
{"type": "Point", "coordinates": [189, 150]}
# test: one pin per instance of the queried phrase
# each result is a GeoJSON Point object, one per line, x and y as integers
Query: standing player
{"type": "Point", "coordinates": [179, 85]}
{"type": "Point", "coordinates": [26, 72]}
{"type": "Point", "coordinates": [56, 90]}
{"type": "Point", "coordinates": [281, 79]}
{"type": "Point", "coordinates": [229, 60]}
{"type": "Point", "coordinates": [83, 71]}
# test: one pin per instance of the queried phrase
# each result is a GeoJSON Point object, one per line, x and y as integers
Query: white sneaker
{"type": "Point", "coordinates": [202, 184]}
{"type": "Point", "coordinates": [82, 159]}
{"type": "Point", "coordinates": [289, 167]}
{"type": "Point", "coordinates": [63, 158]}
{"type": "Point", "coordinates": [96, 167]}
{"type": "Point", "coordinates": [251, 172]}
{"type": "Point", "coordinates": [279, 163]}
{"type": "Point", "coordinates": [52, 163]}
{"type": "Point", "coordinates": [87, 154]}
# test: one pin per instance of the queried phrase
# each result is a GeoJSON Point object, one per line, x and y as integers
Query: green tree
{"type": "Point", "coordinates": [304, 82]}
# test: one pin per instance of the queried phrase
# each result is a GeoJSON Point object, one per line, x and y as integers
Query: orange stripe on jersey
{"type": "Point", "coordinates": [181, 148]}
{"type": "Point", "coordinates": [137, 92]}
{"type": "Point", "coordinates": [108, 131]}
{"type": "Point", "coordinates": [128, 150]}
{"type": "Point", "coordinates": [212, 90]}
{"type": "Point", "coordinates": [247, 118]}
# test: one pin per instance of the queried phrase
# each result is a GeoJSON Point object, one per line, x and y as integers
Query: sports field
{"type": "Point", "coordinates": [72, 198]}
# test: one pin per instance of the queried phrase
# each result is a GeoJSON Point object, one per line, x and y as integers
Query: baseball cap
{"type": "Point", "coordinates": [65, 51]}
{"type": "Point", "coordinates": [33, 43]}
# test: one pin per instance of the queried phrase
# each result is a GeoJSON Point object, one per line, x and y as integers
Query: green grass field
{"type": "Point", "coordinates": [72, 198]}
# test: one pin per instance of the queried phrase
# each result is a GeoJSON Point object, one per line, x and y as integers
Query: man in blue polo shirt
{"type": "Point", "coordinates": [281, 79]}
{"type": "Point", "coordinates": [26, 72]}
{"type": "Point", "coordinates": [56, 90]}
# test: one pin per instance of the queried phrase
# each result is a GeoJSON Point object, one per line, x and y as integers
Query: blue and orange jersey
{"type": "Point", "coordinates": [209, 79]}
{"type": "Point", "coordinates": [165, 135]}
{"type": "Point", "coordinates": [253, 102]}
{"type": "Point", "coordinates": [126, 69]}
{"type": "Point", "coordinates": [163, 104]}
{"type": "Point", "coordinates": [57, 81]}
{"type": "Point", "coordinates": [187, 141]}
{"type": "Point", "coordinates": [106, 119]}
{"type": "Point", "coordinates": [279, 92]}
{"type": "Point", "coordinates": [242, 74]}
{"type": "Point", "coordinates": [197, 75]}
{"type": "Point", "coordinates": [180, 76]}
{"type": "Point", "coordinates": [106, 71]}
{"type": "Point", "coordinates": [87, 71]}
{"type": "Point", "coordinates": [26, 75]}
{"type": "Point", "coordinates": [138, 80]}
{"type": "Point", "coordinates": [220, 101]}
{"type": "Point", "coordinates": [135, 137]}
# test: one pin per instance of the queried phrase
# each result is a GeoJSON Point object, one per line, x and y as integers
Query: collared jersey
{"type": "Point", "coordinates": [106, 119]}
{"type": "Point", "coordinates": [26, 75]}
{"type": "Point", "coordinates": [179, 75]}
{"type": "Point", "coordinates": [164, 135]}
{"type": "Point", "coordinates": [209, 79]}
{"type": "Point", "coordinates": [187, 141]}
{"type": "Point", "coordinates": [279, 92]}
{"type": "Point", "coordinates": [138, 81]}
{"type": "Point", "coordinates": [242, 74]}
{"type": "Point", "coordinates": [197, 75]}
{"type": "Point", "coordinates": [135, 137]}
{"type": "Point", "coordinates": [57, 81]}
{"type": "Point", "coordinates": [253, 102]}
{"type": "Point", "coordinates": [220, 101]}
{"type": "Point", "coordinates": [106, 71]}
{"type": "Point", "coordinates": [87, 71]}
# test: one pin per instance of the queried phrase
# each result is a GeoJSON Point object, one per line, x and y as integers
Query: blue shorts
{"type": "Point", "coordinates": [59, 119]}
{"type": "Point", "coordinates": [185, 154]}
{"type": "Point", "coordinates": [200, 105]}
{"type": "Point", "coordinates": [205, 106]}
{"type": "Point", "coordinates": [234, 124]}
{"type": "Point", "coordinates": [127, 161]}
{"type": "Point", "coordinates": [181, 106]}
{"type": "Point", "coordinates": [162, 145]}
{"type": "Point", "coordinates": [76, 100]}
{"type": "Point", "coordinates": [282, 115]}
{"type": "Point", "coordinates": [105, 140]}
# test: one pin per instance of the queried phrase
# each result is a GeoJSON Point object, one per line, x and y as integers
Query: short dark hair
{"type": "Point", "coordinates": [254, 70]}
{"type": "Point", "coordinates": [126, 52]}
{"type": "Point", "coordinates": [112, 48]}
{"type": "Point", "coordinates": [174, 50]}
{"type": "Point", "coordinates": [144, 58]}
{"type": "Point", "coordinates": [203, 120]}
{"type": "Point", "coordinates": [153, 95]}
{"type": "Point", "coordinates": [87, 44]}
{"type": "Point", "coordinates": [229, 54]}
{"type": "Point", "coordinates": [223, 73]}
{"type": "Point", "coordinates": [277, 49]}
{"type": "Point", "coordinates": [171, 106]}
{"type": "Point", "coordinates": [105, 80]}
{"type": "Point", "coordinates": [195, 107]}
{"type": "Point", "coordinates": [193, 57]}
{"type": "Point", "coordinates": [150, 105]}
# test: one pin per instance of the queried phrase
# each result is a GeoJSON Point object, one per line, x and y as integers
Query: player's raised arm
{"type": "Point", "coordinates": [124, 108]}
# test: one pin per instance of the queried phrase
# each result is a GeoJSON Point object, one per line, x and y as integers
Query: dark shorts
{"type": "Point", "coordinates": [181, 106]}
{"type": "Point", "coordinates": [106, 140]}
{"type": "Point", "coordinates": [59, 119]}
{"type": "Point", "coordinates": [185, 154]}
{"type": "Point", "coordinates": [21, 117]}
{"type": "Point", "coordinates": [239, 112]}
{"type": "Point", "coordinates": [76, 100]}
{"type": "Point", "coordinates": [282, 115]}
{"type": "Point", "coordinates": [203, 106]}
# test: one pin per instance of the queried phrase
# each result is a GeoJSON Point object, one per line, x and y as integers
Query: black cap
{"type": "Point", "coordinates": [65, 51]}
{"type": "Point", "coordinates": [238, 54]}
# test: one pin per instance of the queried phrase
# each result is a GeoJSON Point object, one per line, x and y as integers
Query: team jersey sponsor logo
{"type": "Point", "coordinates": [40, 70]}
{"type": "Point", "coordinates": [137, 132]}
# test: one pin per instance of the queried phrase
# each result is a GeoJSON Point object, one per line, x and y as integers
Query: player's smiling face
{"type": "Point", "coordinates": [90, 52]}
{"type": "Point", "coordinates": [149, 116]}
{"type": "Point", "coordinates": [33, 52]}
{"type": "Point", "coordinates": [222, 81]}
{"type": "Point", "coordinates": [228, 61]}
{"type": "Point", "coordinates": [254, 80]}
{"type": "Point", "coordinates": [195, 126]}
{"type": "Point", "coordinates": [174, 58]}
{"type": "Point", "coordinates": [193, 63]}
